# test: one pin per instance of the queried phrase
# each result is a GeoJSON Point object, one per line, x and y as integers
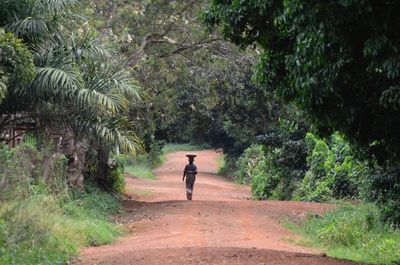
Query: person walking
{"type": "Point", "coordinates": [190, 172]}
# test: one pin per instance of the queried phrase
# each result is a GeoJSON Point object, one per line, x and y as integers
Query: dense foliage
{"type": "Point", "coordinates": [318, 121]}
{"type": "Point", "coordinates": [16, 63]}
{"type": "Point", "coordinates": [333, 170]}
{"type": "Point", "coordinates": [338, 60]}
{"type": "Point", "coordinates": [70, 88]}
{"type": "Point", "coordinates": [308, 168]}
{"type": "Point", "coordinates": [355, 233]}
{"type": "Point", "coordinates": [47, 223]}
{"type": "Point", "coordinates": [198, 87]}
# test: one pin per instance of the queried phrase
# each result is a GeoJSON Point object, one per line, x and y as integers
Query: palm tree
{"type": "Point", "coordinates": [78, 96]}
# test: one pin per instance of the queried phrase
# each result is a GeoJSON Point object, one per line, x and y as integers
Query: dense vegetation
{"type": "Point", "coordinates": [62, 90]}
{"type": "Point", "coordinates": [73, 93]}
{"type": "Point", "coordinates": [355, 233]}
{"type": "Point", "coordinates": [47, 223]}
{"type": "Point", "coordinates": [337, 62]}
{"type": "Point", "coordinates": [306, 108]}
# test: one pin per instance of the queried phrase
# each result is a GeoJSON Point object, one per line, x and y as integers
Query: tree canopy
{"type": "Point", "coordinates": [16, 64]}
{"type": "Point", "coordinates": [70, 85]}
{"type": "Point", "coordinates": [337, 60]}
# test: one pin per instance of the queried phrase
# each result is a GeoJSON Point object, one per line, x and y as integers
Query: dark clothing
{"type": "Point", "coordinates": [189, 189]}
{"type": "Point", "coordinates": [190, 174]}
{"type": "Point", "coordinates": [190, 171]}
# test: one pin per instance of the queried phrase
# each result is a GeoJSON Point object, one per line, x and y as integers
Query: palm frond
{"type": "Point", "coordinates": [97, 100]}
{"type": "Point", "coordinates": [37, 20]}
{"type": "Point", "coordinates": [107, 133]}
{"type": "Point", "coordinates": [57, 6]}
{"type": "Point", "coordinates": [54, 81]}
{"type": "Point", "coordinates": [92, 47]}
{"type": "Point", "coordinates": [117, 86]}
{"type": "Point", "coordinates": [3, 87]}
{"type": "Point", "coordinates": [124, 84]}
{"type": "Point", "coordinates": [34, 28]}
{"type": "Point", "coordinates": [85, 46]}
{"type": "Point", "coordinates": [113, 80]}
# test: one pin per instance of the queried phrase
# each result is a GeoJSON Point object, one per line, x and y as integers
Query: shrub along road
{"type": "Point", "coordinates": [220, 226]}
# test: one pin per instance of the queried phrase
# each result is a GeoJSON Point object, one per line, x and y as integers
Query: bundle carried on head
{"type": "Point", "coordinates": [190, 156]}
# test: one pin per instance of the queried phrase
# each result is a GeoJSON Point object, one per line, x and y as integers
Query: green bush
{"type": "Point", "coordinates": [263, 181]}
{"type": "Point", "coordinates": [273, 174]}
{"type": "Point", "coordinates": [151, 157]}
{"type": "Point", "coordinates": [355, 232]}
{"type": "Point", "coordinates": [46, 224]}
{"type": "Point", "coordinates": [44, 229]}
{"type": "Point", "coordinates": [115, 179]}
{"type": "Point", "coordinates": [250, 164]}
{"type": "Point", "coordinates": [228, 166]}
{"type": "Point", "coordinates": [333, 171]}
{"type": "Point", "coordinates": [383, 188]}
{"type": "Point", "coordinates": [19, 168]}
{"type": "Point", "coordinates": [312, 169]}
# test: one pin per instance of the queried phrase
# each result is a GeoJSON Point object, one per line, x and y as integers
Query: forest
{"type": "Point", "coordinates": [302, 97]}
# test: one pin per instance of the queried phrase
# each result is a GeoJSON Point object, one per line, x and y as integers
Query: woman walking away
{"type": "Point", "coordinates": [190, 172]}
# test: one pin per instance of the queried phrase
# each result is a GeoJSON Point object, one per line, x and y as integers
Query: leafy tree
{"type": "Point", "coordinates": [16, 64]}
{"type": "Point", "coordinates": [333, 171]}
{"type": "Point", "coordinates": [337, 60]}
{"type": "Point", "coordinates": [190, 76]}
{"type": "Point", "coordinates": [79, 94]}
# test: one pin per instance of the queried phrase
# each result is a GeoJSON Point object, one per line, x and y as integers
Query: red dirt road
{"type": "Point", "coordinates": [220, 225]}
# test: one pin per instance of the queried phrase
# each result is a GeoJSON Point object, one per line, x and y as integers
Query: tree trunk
{"type": "Point", "coordinates": [102, 168]}
{"type": "Point", "coordinates": [74, 149]}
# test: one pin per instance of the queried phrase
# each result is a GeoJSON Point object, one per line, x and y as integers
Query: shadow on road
{"type": "Point", "coordinates": [222, 255]}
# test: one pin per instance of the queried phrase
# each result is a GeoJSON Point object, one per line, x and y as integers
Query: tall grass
{"type": "Point", "coordinates": [46, 223]}
{"type": "Point", "coordinates": [46, 229]}
{"type": "Point", "coordinates": [221, 163]}
{"type": "Point", "coordinates": [138, 171]}
{"type": "Point", "coordinates": [355, 232]}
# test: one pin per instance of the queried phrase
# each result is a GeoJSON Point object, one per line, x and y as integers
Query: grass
{"type": "Point", "coordinates": [143, 172]}
{"type": "Point", "coordinates": [170, 148]}
{"type": "Point", "coordinates": [45, 229]}
{"type": "Point", "coordinates": [141, 192]}
{"type": "Point", "coordinates": [353, 232]}
{"type": "Point", "coordinates": [221, 163]}
{"type": "Point", "coordinates": [47, 223]}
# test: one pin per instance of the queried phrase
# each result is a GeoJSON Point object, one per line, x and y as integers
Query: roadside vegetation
{"type": "Point", "coordinates": [302, 97]}
{"type": "Point", "coordinates": [48, 224]}
{"type": "Point", "coordinates": [333, 132]}
{"type": "Point", "coordinates": [354, 232]}
{"type": "Point", "coordinates": [140, 172]}
{"type": "Point", "coordinates": [142, 165]}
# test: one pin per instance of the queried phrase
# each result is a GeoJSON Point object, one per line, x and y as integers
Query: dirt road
{"type": "Point", "coordinates": [220, 226]}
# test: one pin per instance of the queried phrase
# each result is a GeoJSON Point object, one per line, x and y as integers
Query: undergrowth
{"type": "Point", "coordinates": [221, 162]}
{"type": "Point", "coordinates": [170, 148]}
{"type": "Point", "coordinates": [45, 222]}
{"type": "Point", "coordinates": [355, 232]}
{"type": "Point", "coordinates": [143, 164]}
{"type": "Point", "coordinates": [49, 229]}
{"type": "Point", "coordinates": [143, 172]}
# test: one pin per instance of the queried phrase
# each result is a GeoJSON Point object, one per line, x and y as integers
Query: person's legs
{"type": "Point", "coordinates": [189, 190]}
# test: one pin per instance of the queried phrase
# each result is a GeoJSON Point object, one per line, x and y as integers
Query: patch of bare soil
{"type": "Point", "coordinates": [220, 226]}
